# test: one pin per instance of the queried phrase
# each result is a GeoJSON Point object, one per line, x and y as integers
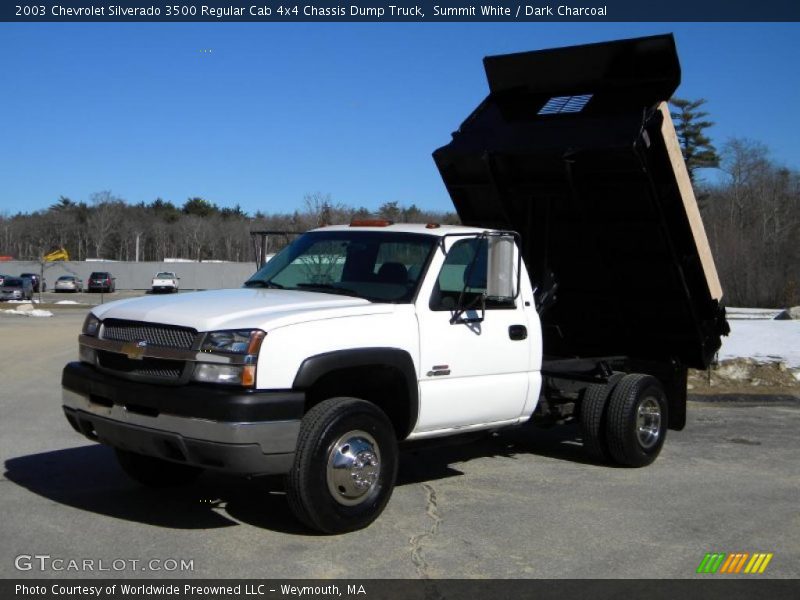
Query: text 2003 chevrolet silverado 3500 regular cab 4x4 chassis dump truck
{"type": "Point", "coordinates": [355, 338]}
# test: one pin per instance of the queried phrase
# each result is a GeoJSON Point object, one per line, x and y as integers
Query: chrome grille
{"type": "Point", "coordinates": [167, 336]}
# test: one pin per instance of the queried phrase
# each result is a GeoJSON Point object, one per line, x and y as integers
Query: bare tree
{"type": "Point", "coordinates": [103, 219]}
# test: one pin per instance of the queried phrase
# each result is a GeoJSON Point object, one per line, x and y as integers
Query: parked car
{"type": "Point", "coordinates": [102, 281]}
{"type": "Point", "coordinates": [68, 283]}
{"type": "Point", "coordinates": [165, 281]}
{"type": "Point", "coordinates": [36, 280]}
{"type": "Point", "coordinates": [16, 288]}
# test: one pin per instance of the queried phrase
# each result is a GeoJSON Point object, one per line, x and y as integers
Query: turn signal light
{"type": "Point", "coordinates": [249, 376]}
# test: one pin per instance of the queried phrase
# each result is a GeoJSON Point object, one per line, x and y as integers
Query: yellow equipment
{"type": "Point", "coordinates": [59, 254]}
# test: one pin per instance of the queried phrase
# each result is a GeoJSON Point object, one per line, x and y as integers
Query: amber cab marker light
{"type": "Point", "coordinates": [371, 223]}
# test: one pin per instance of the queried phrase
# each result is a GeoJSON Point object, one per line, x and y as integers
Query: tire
{"type": "Point", "coordinates": [333, 500]}
{"type": "Point", "coordinates": [594, 411]}
{"type": "Point", "coordinates": [155, 472]}
{"type": "Point", "coordinates": [638, 401]}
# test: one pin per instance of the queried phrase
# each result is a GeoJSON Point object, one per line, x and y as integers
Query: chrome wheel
{"type": "Point", "coordinates": [648, 422]}
{"type": "Point", "coordinates": [354, 466]}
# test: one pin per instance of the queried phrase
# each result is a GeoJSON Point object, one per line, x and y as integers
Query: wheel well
{"type": "Point", "coordinates": [384, 386]}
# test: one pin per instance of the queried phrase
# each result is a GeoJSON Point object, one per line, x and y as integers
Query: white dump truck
{"type": "Point", "coordinates": [580, 288]}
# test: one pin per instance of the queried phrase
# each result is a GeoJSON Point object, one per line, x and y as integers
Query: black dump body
{"type": "Point", "coordinates": [568, 150]}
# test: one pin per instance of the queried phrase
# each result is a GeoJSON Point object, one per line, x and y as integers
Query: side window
{"type": "Point", "coordinates": [464, 272]}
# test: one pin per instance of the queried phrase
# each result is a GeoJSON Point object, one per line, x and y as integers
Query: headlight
{"type": "Point", "coordinates": [241, 341]}
{"type": "Point", "coordinates": [91, 325]}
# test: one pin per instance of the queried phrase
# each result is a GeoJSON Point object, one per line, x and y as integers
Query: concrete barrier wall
{"type": "Point", "coordinates": [138, 276]}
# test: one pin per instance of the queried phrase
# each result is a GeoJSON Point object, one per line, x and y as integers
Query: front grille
{"type": "Point", "coordinates": [167, 336]}
{"type": "Point", "coordinates": [147, 367]}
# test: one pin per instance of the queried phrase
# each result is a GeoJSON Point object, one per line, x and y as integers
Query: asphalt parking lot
{"type": "Point", "coordinates": [524, 504]}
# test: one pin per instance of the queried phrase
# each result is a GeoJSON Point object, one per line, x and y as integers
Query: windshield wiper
{"type": "Point", "coordinates": [261, 283]}
{"type": "Point", "coordinates": [330, 289]}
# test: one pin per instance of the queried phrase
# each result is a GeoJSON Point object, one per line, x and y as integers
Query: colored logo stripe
{"type": "Point", "coordinates": [711, 562]}
{"type": "Point", "coordinates": [758, 563]}
{"type": "Point", "coordinates": [733, 563]}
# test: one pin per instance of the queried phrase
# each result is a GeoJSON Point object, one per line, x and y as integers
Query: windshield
{"type": "Point", "coordinates": [165, 276]}
{"type": "Point", "coordinates": [66, 278]}
{"type": "Point", "coordinates": [98, 275]}
{"type": "Point", "coordinates": [8, 282]}
{"type": "Point", "coordinates": [375, 265]}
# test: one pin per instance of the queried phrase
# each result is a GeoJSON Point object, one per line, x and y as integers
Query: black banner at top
{"type": "Point", "coordinates": [422, 11]}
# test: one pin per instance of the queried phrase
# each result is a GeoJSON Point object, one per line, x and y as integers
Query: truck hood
{"type": "Point", "coordinates": [235, 308]}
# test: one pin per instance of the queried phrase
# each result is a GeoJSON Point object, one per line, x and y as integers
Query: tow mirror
{"type": "Point", "coordinates": [500, 280]}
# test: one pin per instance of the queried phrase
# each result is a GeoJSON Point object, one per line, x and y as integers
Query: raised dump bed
{"type": "Point", "coordinates": [574, 148]}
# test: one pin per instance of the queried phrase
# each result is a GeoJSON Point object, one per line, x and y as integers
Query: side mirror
{"type": "Point", "coordinates": [500, 280]}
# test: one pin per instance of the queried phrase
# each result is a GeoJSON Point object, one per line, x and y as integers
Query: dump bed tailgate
{"type": "Point", "coordinates": [574, 148]}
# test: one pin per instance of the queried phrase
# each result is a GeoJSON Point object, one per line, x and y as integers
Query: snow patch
{"type": "Point", "coordinates": [67, 302]}
{"type": "Point", "coordinates": [31, 312]}
{"type": "Point", "coordinates": [764, 342]}
{"type": "Point", "coordinates": [733, 312]}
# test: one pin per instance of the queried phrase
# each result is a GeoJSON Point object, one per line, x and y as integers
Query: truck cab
{"type": "Point", "coordinates": [391, 331]}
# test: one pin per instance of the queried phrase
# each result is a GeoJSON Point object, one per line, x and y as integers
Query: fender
{"type": "Point", "coordinates": [315, 367]}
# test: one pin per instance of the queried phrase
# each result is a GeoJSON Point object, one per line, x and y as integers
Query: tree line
{"type": "Point", "coordinates": [108, 227]}
{"type": "Point", "coordinates": [751, 214]}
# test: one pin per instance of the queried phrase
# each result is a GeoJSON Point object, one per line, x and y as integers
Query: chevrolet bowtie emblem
{"type": "Point", "coordinates": [135, 350]}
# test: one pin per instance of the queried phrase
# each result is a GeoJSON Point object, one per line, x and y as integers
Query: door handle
{"type": "Point", "coordinates": [517, 332]}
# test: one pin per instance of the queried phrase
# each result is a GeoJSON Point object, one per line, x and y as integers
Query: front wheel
{"type": "Point", "coordinates": [637, 419]}
{"type": "Point", "coordinates": [155, 472]}
{"type": "Point", "coordinates": [345, 466]}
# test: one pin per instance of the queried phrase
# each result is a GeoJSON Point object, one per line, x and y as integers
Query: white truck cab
{"type": "Point", "coordinates": [581, 288]}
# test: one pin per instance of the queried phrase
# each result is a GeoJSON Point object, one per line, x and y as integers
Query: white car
{"type": "Point", "coordinates": [165, 281]}
{"type": "Point", "coordinates": [68, 283]}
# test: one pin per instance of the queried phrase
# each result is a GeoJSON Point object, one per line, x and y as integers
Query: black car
{"type": "Point", "coordinates": [35, 281]}
{"type": "Point", "coordinates": [102, 281]}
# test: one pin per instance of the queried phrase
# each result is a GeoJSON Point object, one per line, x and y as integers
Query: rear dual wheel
{"type": "Point", "coordinates": [627, 424]}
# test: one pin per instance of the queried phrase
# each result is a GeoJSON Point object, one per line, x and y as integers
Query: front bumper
{"type": "Point", "coordinates": [238, 431]}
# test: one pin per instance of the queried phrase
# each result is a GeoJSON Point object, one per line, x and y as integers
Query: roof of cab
{"type": "Point", "coordinates": [439, 230]}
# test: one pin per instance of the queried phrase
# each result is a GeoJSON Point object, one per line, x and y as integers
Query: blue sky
{"type": "Point", "coordinates": [278, 110]}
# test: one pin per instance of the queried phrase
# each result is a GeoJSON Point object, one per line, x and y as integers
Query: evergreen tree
{"type": "Point", "coordinates": [690, 125]}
